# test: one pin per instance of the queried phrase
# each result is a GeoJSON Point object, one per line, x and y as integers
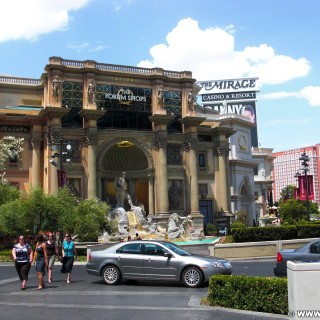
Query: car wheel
{"type": "Point", "coordinates": [111, 275]}
{"type": "Point", "coordinates": [192, 277]}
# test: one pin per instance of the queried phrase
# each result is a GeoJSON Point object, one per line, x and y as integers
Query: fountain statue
{"type": "Point", "coordinates": [135, 219]}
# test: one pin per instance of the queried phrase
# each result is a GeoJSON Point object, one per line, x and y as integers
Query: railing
{"type": "Point", "coordinates": [122, 68]}
{"type": "Point", "coordinates": [22, 81]}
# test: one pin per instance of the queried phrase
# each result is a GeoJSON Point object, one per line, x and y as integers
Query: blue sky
{"type": "Point", "coordinates": [274, 40]}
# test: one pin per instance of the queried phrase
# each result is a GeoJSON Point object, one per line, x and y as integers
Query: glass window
{"type": "Point", "coordinates": [154, 250]}
{"type": "Point", "coordinates": [132, 248]}
{"type": "Point", "coordinates": [202, 160]}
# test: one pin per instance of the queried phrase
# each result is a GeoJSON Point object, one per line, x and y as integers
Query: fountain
{"type": "Point", "coordinates": [135, 221]}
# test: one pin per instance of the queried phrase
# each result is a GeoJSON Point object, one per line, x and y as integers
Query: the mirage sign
{"type": "Point", "coordinates": [236, 96]}
{"type": "Point", "coordinates": [244, 84]}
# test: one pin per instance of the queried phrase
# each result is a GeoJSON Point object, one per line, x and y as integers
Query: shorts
{"type": "Point", "coordinates": [51, 261]}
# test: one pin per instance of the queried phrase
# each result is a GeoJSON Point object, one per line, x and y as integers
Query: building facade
{"type": "Point", "coordinates": [144, 122]}
{"type": "Point", "coordinates": [287, 167]}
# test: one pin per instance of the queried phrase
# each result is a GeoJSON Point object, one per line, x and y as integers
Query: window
{"type": "Point", "coordinates": [153, 250]}
{"type": "Point", "coordinates": [132, 248]}
{"type": "Point", "coordinates": [202, 160]}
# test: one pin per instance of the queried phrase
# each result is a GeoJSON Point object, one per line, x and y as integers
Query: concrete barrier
{"type": "Point", "coordinates": [263, 249]}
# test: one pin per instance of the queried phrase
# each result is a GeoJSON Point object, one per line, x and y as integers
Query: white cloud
{"type": "Point", "coordinates": [29, 19]}
{"type": "Point", "coordinates": [310, 93]}
{"type": "Point", "coordinates": [78, 47]}
{"type": "Point", "coordinates": [210, 54]}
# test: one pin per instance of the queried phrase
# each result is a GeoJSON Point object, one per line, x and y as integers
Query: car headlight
{"type": "Point", "coordinates": [217, 264]}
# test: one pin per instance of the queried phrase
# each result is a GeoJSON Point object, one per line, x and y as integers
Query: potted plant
{"type": "Point", "coordinates": [210, 229]}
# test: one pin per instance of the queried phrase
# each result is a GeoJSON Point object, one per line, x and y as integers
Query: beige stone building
{"type": "Point", "coordinates": [121, 119]}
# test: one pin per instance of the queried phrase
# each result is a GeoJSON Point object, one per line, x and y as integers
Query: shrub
{"type": "Point", "coordinates": [262, 294]}
{"type": "Point", "coordinates": [210, 229]}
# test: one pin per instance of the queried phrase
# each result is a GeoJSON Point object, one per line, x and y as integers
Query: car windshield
{"type": "Point", "coordinates": [176, 249]}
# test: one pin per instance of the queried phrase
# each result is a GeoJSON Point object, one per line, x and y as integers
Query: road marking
{"type": "Point", "coordinates": [194, 301]}
{"type": "Point", "coordinates": [105, 307]}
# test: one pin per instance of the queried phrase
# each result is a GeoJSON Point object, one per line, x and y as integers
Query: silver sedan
{"type": "Point", "coordinates": [154, 260]}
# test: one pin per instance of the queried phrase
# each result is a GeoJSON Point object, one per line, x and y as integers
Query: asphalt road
{"type": "Point", "coordinates": [87, 297]}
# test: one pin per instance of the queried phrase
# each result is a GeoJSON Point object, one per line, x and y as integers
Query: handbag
{"type": "Point", "coordinates": [62, 259]}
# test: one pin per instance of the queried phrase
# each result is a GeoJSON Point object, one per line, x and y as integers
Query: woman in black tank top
{"type": "Point", "coordinates": [40, 259]}
{"type": "Point", "coordinates": [52, 252]}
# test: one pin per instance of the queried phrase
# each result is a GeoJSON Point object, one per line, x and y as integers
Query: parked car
{"type": "Point", "coordinates": [154, 260]}
{"type": "Point", "coordinates": [308, 252]}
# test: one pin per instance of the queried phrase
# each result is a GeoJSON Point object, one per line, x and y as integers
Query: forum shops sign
{"type": "Point", "coordinates": [125, 96]}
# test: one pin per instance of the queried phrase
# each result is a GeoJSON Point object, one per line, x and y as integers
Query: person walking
{"type": "Point", "coordinates": [22, 255]}
{"type": "Point", "coordinates": [69, 253]}
{"type": "Point", "coordinates": [40, 259]}
{"type": "Point", "coordinates": [52, 252]}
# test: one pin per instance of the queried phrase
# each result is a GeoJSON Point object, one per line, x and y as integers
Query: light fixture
{"type": "Point", "coordinates": [124, 144]}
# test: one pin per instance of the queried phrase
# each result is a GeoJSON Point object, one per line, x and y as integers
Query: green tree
{"type": "Point", "coordinates": [38, 212]}
{"type": "Point", "coordinates": [10, 147]}
{"type": "Point", "coordinates": [8, 193]}
{"type": "Point", "coordinates": [287, 193]}
{"type": "Point", "coordinates": [295, 210]}
{"type": "Point", "coordinates": [242, 217]}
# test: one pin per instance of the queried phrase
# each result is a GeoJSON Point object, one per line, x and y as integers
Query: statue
{"type": "Point", "coordinates": [56, 87]}
{"type": "Point", "coordinates": [161, 97]}
{"type": "Point", "coordinates": [174, 196]}
{"type": "Point", "coordinates": [190, 101]}
{"type": "Point", "coordinates": [123, 222]}
{"type": "Point", "coordinates": [121, 187]}
{"type": "Point", "coordinates": [91, 92]}
{"type": "Point", "coordinates": [174, 228]}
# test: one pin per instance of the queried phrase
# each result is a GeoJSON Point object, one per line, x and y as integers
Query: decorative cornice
{"type": "Point", "coordinates": [223, 151]}
{"type": "Point", "coordinates": [91, 114]}
{"type": "Point", "coordinates": [90, 138]}
{"type": "Point", "coordinates": [162, 118]}
{"type": "Point", "coordinates": [192, 121]}
{"type": "Point", "coordinates": [35, 144]}
{"type": "Point", "coordinates": [189, 142]}
{"type": "Point", "coordinates": [159, 141]}
{"type": "Point", "coordinates": [53, 112]}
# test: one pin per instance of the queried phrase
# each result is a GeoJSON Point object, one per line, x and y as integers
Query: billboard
{"type": "Point", "coordinates": [232, 96]}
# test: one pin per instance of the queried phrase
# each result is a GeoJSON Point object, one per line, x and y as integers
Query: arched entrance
{"type": "Point", "coordinates": [130, 156]}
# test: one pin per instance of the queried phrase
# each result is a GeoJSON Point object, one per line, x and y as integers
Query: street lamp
{"type": "Point", "coordinates": [62, 154]}
{"type": "Point", "coordinates": [305, 164]}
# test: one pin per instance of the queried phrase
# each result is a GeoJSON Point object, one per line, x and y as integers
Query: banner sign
{"type": "Point", "coordinates": [305, 184]}
{"type": "Point", "coordinates": [228, 96]}
{"type": "Point", "coordinates": [243, 84]}
{"type": "Point", "coordinates": [62, 178]}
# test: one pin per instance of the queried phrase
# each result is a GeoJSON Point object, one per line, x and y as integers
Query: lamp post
{"type": "Point", "coordinates": [61, 155]}
{"type": "Point", "coordinates": [305, 164]}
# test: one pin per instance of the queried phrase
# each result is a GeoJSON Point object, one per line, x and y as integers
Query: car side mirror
{"type": "Point", "coordinates": [167, 255]}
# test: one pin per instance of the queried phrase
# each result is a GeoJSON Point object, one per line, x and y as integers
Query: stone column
{"type": "Point", "coordinates": [190, 146]}
{"type": "Point", "coordinates": [151, 194]}
{"type": "Point", "coordinates": [35, 170]}
{"type": "Point", "coordinates": [222, 178]}
{"type": "Point", "coordinates": [91, 140]}
{"type": "Point", "coordinates": [161, 175]}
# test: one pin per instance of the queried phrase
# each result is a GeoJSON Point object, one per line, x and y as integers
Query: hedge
{"type": "Point", "coordinates": [256, 234]}
{"type": "Point", "coordinates": [262, 294]}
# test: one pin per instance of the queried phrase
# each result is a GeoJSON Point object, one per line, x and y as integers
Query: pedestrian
{"type": "Point", "coordinates": [137, 237]}
{"type": "Point", "coordinates": [22, 255]}
{"type": "Point", "coordinates": [69, 253]}
{"type": "Point", "coordinates": [52, 252]}
{"type": "Point", "coordinates": [129, 238]}
{"type": "Point", "coordinates": [40, 259]}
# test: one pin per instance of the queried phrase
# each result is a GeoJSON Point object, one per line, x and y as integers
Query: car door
{"type": "Point", "coordinates": [314, 251]}
{"type": "Point", "coordinates": [157, 266]}
{"type": "Point", "coordinates": [130, 260]}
